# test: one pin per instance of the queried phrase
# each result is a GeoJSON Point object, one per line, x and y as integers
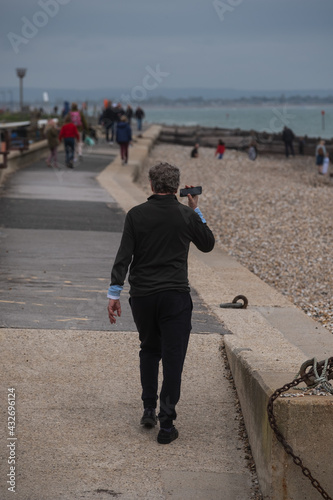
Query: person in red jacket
{"type": "Point", "coordinates": [69, 133]}
{"type": "Point", "coordinates": [220, 150]}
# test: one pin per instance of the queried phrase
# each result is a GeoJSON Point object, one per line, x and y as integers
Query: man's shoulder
{"type": "Point", "coordinates": [138, 208]}
{"type": "Point", "coordinates": [154, 201]}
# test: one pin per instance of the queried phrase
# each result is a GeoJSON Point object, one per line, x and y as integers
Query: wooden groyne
{"type": "Point", "coordinates": [266, 143]}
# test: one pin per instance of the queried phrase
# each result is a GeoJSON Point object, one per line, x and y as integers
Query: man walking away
{"type": "Point", "coordinates": [69, 133]}
{"type": "Point", "coordinates": [155, 245]}
{"type": "Point", "coordinates": [139, 115]}
{"type": "Point", "coordinates": [108, 119]}
{"type": "Point", "coordinates": [124, 137]}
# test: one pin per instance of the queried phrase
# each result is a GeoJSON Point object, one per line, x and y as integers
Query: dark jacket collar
{"type": "Point", "coordinates": [162, 197]}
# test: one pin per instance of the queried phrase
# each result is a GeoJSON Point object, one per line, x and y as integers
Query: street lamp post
{"type": "Point", "coordinates": [21, 74]}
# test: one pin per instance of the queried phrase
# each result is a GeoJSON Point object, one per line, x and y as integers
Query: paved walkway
{"type": "Point", "coordinates": [76, 377]}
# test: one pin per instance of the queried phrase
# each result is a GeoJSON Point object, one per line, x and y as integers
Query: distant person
{"type": "Point", "coordinates": [301, 146]}
{"type": "Point", "coordinates": [195, 151]}
{"type": "Point", "coordinates": [65, 110]}
{"type": "Point", "coordinates": [79, 120]}
{"type": "Point", "coordinates": [51, 133]}
{"type": "Point", "coordinates": [129, 114]}
{"type": "Point", "coordinates": [91, 133]}
{"type": "Point", "coordinates": [124, 137]}
{"type": "Point", "coordinates": [69, 133]}
{"type": "Point", "coordinates": [100, 116]}
{"type": "Point", "coordinates": [252, 152]}
{"type": "Point", "coordinates": [83, 113]}
{"type": "Point", "coordinates": [119, 110]}
{"type": "Point", "coordinates": [288, 136]}
{"type": "Point", "coordinates": [320, 151]}
{"type": "Point", "coordinates": [320, 156]}
{"type": "Point", "coordinates": [220, 150]}
{"type": "Point", "coordinates": [139, 115]}
{"type": "Point", "coordinates": [326, 164]}
{"type": "Point", "coordinates": [55, 110]}
{"type": "Point", "coordinates": [108, 120]}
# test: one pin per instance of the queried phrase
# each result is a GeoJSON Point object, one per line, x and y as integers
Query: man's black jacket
{"type": "Point", "coordinates": [155, 243]}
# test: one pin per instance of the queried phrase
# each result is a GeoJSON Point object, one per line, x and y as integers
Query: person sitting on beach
{"type": "Point", "coordinates": [220, 150]}
{"type": "Point", "coordinates": [195, 151]}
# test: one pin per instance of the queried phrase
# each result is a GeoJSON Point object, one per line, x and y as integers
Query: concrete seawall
{"type": "Point", "coordinates": [271, 339]}
{"type": "Point", "coordinates": [17, 160]}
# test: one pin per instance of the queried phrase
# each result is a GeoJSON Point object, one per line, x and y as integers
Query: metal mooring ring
{"type": "Point", "coordinates": [235, 304]}
{"type": "Point", "coordinates": [309, 376]}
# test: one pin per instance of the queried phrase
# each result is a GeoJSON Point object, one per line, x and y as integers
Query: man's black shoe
{"type": "Point", "coordinates": [149, 417]}
{"type": "Point", "coordinates": [167, 436]}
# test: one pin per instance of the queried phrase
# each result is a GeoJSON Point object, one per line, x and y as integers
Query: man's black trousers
{"type": "Point", "coordinates": [163, 321]}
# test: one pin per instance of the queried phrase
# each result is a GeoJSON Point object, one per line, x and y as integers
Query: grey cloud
{"type": "Point", "coordinates": [90, 42]}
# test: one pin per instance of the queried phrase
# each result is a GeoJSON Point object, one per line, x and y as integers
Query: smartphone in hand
{"type": "Point", "coordinates": [193, 191]}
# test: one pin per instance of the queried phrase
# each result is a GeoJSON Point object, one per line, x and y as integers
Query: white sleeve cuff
{"type": "Point", "coordinates": [114, 292]}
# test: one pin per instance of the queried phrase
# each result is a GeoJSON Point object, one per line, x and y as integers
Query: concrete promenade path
{"type": "Point", "coordinates": [76, 378]}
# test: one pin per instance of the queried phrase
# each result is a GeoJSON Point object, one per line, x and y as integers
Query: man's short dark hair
{"type": "Point", "coordinates": [164, 178]}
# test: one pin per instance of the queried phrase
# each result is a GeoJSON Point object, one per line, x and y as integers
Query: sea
{"type": "Point", "coordinates": [310, 121]}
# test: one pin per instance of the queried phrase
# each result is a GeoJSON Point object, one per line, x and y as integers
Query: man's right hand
{"type": "Point", "coordinates": [114, 308]}
{"type": "Point", "coordinates": [192, 201]}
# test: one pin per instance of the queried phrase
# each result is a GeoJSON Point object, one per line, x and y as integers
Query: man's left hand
{"type": "Point", "coordinates": [114, 308]}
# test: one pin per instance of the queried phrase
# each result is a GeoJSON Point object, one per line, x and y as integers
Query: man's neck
{"type": "Point", "coordinates": [163, 194]}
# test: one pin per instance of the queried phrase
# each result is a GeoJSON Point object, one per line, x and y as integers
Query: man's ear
{"type": "Point", "coordinates": [151, 185]}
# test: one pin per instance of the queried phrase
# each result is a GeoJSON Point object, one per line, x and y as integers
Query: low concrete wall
{"type": "Point", "coordinates": [269, 342]}
{"type": "Point", "coordinates": [17, 160]}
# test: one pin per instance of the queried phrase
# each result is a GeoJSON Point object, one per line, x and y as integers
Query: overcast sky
{"type": "Point", "coordinates": [241, 44]}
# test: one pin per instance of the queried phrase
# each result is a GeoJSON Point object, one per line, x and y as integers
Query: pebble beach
{"type": "Point", "coordinates": [274, 215]}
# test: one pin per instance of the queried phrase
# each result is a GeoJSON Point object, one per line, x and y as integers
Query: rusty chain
{"type": "Point", "coordinates": [308, 378]}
